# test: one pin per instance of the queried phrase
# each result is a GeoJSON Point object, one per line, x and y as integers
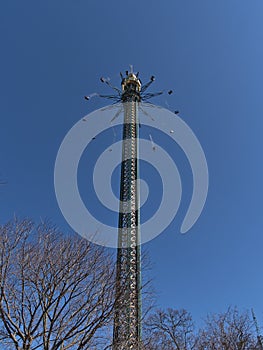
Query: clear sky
{"type": "Point", "coordinates": [210, 53]}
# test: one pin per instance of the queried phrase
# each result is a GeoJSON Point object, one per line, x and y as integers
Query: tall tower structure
{"type": "Point", "coordinates": [127, 317]}
{"type": "Point", "coordinates": [127, 320]}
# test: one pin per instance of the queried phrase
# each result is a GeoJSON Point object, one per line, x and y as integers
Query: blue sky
{"type": "Point", "coordinates": [210, 53]}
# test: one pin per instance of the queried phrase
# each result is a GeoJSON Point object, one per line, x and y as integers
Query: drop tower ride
{"type": "Point", "coordinates": [127, 319]}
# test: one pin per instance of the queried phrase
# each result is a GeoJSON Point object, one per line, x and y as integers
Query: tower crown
{"type": "Point", "coordinates": [131, 87]}
{"type": "Point", "coordinates": [131, 81]}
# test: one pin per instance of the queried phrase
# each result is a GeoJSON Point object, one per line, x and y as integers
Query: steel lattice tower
{"type": "Point", "coordinates": [127, 317]}
{"type": "Point", "coordinates": [127, 320]}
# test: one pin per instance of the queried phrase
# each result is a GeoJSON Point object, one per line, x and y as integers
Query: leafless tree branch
{"type": "Point", "coordinates": [56, 292]}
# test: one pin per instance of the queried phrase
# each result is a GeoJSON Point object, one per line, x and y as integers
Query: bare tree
{"type": "Point", "coordinates": [56, 292]}
{"type": "Point", "coordinates": [169, 330]}
{"type": "Point", "coordinates": [230, 330]}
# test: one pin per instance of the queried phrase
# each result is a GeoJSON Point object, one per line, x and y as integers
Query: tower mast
{"type": "Point", "coordinates": [127, 319]}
